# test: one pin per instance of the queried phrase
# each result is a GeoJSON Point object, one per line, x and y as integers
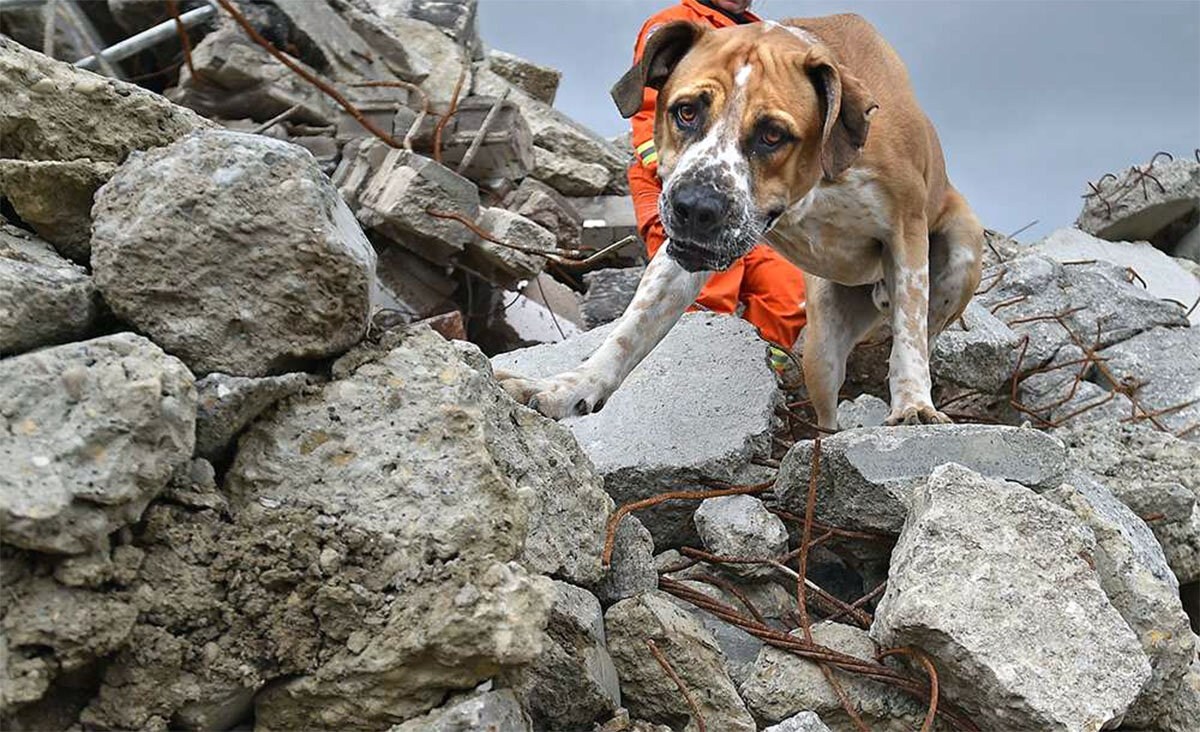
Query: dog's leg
{"type": "Point", "coordinates": [838, 317]}
{"type": "Point", "coordinates": [906, 274]}
{"type": "Point", "coordinates": [664, 293]}
{"type": "Point", "coordinates": [955, 256]}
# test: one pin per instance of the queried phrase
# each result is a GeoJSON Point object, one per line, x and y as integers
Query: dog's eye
{"type": "Point", "coordinates": [771, 137]}
{"type": "Point", "coordinates": [686, 114]}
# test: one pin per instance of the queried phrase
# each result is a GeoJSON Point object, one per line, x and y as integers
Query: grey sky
{"type": "Point", "coordinates": [1031, 99]}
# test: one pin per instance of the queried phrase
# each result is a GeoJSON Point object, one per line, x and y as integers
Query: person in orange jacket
{"type": "Point", "coordinates": [770, 287]}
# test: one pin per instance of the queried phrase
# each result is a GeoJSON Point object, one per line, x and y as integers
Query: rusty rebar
{"type": "Point", "coordinates": [666, 666]}
{"type": "Point", "coordinates": [930, 670]}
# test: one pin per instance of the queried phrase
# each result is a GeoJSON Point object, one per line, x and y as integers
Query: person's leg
{"type": "Point", "coordinates": [773, 290]}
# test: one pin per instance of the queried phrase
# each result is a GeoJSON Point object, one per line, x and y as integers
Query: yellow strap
{"type": "Point", "coordinates": [647, 145]}
{"type": "Point", "coordinates": [651, 158]}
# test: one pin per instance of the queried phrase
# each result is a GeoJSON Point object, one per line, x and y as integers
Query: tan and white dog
{"type": "Point", "coordinates": [806, 134]}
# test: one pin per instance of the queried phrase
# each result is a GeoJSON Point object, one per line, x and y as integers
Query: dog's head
{"type": "Point", "coordinates": [749, 119]}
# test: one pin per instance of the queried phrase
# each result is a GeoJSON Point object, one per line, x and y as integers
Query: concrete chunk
{"type": "Point", "coordinates": [573, 683]}
{"type": "Point", "coordinates": [741, 526]}
{"type": "Point", "coordinates": [646, 689]}
{"type": "Point", "coordinates": [229, 403]}
{"type": "Point", "coordinates": [802, 722]}
{"type": "Point", "coordinates": [505, 266]}
{"type": "Point", "coordinates": [1160, 210]}
{"type": "Point", "coordinates": [494, 711]}
{"type": "Point", "coordinates": [536, 80]}
{"type": "Point", "coordinates": [981, 357]}
{"type": "Point", "coordinates": [91, 433]}
{"type": "Point", "coordinates": [866, 410]}
{"type": "Point", "coordinates": [55, 198]}
{"type": "Point", "coordinates": [549, 209]}
{"type": "Point", "coordinates": [701, 405]}
{"type": "Point", "coordinates": [868, 475]}
{"type": "Point", "coordinates": [997, 585]}
{"type": "Point", "coordinates": [1165, 362]}
{"type": "Point", "coordinates": [569, 176]}
{"type": "Point", "coordinates": [609, 292]}
{"type": "Point", "coordinates": [1140, 585]}
{"type": "Point", "coordinates": [44, 299]}
{"type": "Point", "coordinates": [234, 252]}
{"type": "Point", "coordinates": [632, 570]}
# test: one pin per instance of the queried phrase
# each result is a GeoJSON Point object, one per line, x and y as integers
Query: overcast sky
{"type": "Point", "coordinates": [1031, 99]}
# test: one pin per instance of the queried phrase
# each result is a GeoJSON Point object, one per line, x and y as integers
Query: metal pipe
{"type": "Point", "coordinates": [147, 38]}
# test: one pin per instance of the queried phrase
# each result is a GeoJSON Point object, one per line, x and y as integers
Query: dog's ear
{"type": "Point", "coordinates": [848, 107]}
{"type": "Point", "coordinates": [665, 46]}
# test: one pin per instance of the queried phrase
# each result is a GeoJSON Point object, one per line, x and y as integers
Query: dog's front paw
{"type": "Point", "coordinates": [916, 414]}
{"type": "Point", "coordinates": [571, 394]}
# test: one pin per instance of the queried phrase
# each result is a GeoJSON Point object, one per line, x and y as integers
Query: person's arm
{"type": "Point", "coordinates": [644, 184]}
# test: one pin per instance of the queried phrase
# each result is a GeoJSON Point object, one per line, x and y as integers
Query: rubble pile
{"type": "Point", "coordinates": [256, 471]}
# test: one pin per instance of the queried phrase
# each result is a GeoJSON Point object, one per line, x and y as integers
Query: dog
{"type": "Point", "coordinates": [805, 134]}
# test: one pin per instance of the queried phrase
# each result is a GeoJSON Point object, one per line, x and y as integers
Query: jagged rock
{"type": "Point", "coordinates": [539, 82]}
{"type": "Point", "coordinates": [981, 357]}
{"type": "Point", "coordinates": [555, 132]}
{"type": "Point", "coordinates": [572, 684]}
{"type": "Point", "coordinates": [700, 406]}
{"type": "Point", "coordinates": [50, 110]}
{"type": "Point", "coordinates": [741, 526]}
{"type": "Point", "coordinates": [1053, 653]}
{"type": "Point", "coordinates": [504, 154]}
{"type": "Point", "coordinates": [866, 410]}
{"type": "Point", "coordinates": [1151, 212]}
{"type": "Point", "coordinates": [783, 684]}
{"type": "Point", "coordinates": [1134, 461]}
{"type": "Point", "coordinates": [802, 722]}
{"type": "Point", "coordinates": [44, 299]}
{"type": "Point", "coordinates": [394, 50]}
{"type": "Point", "coordinates": [1112, 309]}
{"type": "Point", "coordinates": [505, 266]}
{"type": "Point", "coordinates": [194, 485]}
{"type": "Point", "coordinates": [234, 252]}
{"type": "Point", "coordinates": [1165, 363]}
{"type": "Point", "coordinates": [455, 18]}
{"type": "Point", "coordinates": [868, 475]}
{"type": "Point", "coordinates": [446, 58]}
{"type": "Point", "coordinates": [391, 192]}
{"type": "Point", "coordinates": [55, 198]}
{"type": "Point", "coordinates": [1162, 276]}
{"type": "Point", "coordinates": [646, 689]}
{"type": "Point", "coordinates": [240, 79]}
{"type": "Point", "coordinates": [1139, 584]}
{"type": "Point", "coordinates": [569, 176]}
{"type": "Point", "coordinates": [609, 292]}
{"type": "Point", "coordinates": [357, 604]}
{"type": "Point", "coordinates": [49, 630]}
{"type": "Point", "coordinates": [1181, 710]}
{"type": "Point", "coordinates": [632, 569]}
{"type": "Point", "coordinates": [494, 711]}
{"type": "Point", "coordinates": [549, 209]}
{"type": "Point", "coordinates": [229, 403]}
{"type": "Point", "coordinates": [345, 55]}
{"type": "Point", "coordinates": [92, 432]}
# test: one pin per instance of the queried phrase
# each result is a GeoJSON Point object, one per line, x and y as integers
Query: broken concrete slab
{"type": "Point", "coordinates": [277, 270]}
{"type": "Point", "coordinates": [93, 431]}
{"type": "Point", "coordinates": [632, 570]}
{"type": "Point", "coordinates": [50, 110]}
{"type": "Point", "coordinates": [392, 191]}
{"type": "Point", "coordinates": [44, 299]}
{"type": "Point", "coordinates": [1139, 584]}
{"type": "Point", "coordinates": [227, 404]}
{"type": "Point", "coordinates": [414, 288]}
{"type": "Point", "coordinates": [236, 78]}
{"type": "Point", "coordinates": [741, 526]}
{"type": "Point", "coordinates": [569, 176]}
{"type": "Point", "coordinates": [346, 56]}
{"type": "Point", "coordinates": [1145, 207]}
{"type": "Point", "coordinates": [504, 154]}
{"type": "Point", "coordinates": [549, 209]}
{"type": "Point", "coordinates": [536, 80]}
{"type": "Point", "coordinates": [393, 50]}
{"type": "Point", "coordinates": [456, 18]}
{"type": "Point", "coordinates": [982, 356]}
{"type": "Point", "coordinates": [1096, 301]}
{"type": "Point", "coordinates": [1160, 274]}
{"type": "Point", "coordinates": [1165, 363]}
{"type": "Point", "coordinates": [503, 265]}
{"type": "Point", "coordinates": [782, 685]}
{"type": "Point", "coordinates": [446, 59]}
{"type": "Point", "coordinates": [868, 475]}
{"type": "Point", "coordinates": [1135, 461]}
{"type": "Point", "coordinates": [1054, 653]}
{"type": "Point", "coordinates": [495, 711]}
{"type": "Point", "coordinates": [866, 410]}
{"type": "Point", "coordinates": [573, 683]}
{"type": "Point", "coordinates": [690, 649]}
{"type": "Point", "coordinates": [55, 198]}
{"type": "Point", "coordinates": [710, 374]}
{"type": "Point", "coordinates": [609, 292]}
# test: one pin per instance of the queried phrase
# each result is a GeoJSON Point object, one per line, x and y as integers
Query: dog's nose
{"type": "Point", "coordinates": [698, 211]}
